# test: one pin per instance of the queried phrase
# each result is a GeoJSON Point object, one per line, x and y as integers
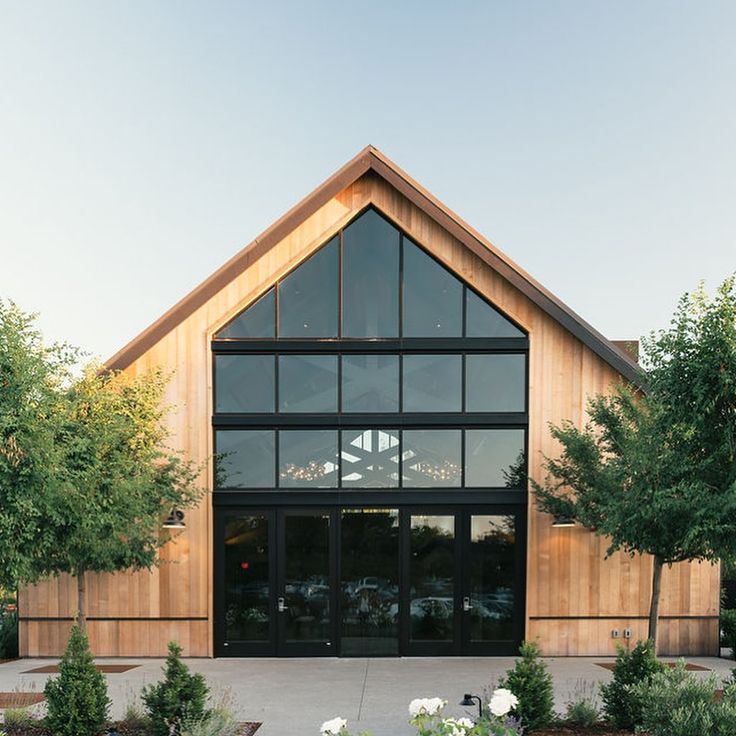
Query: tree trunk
{"type": "Point", "coordinates": [81, 601]}
{"type": "Point", "coordinates": [654, 608]}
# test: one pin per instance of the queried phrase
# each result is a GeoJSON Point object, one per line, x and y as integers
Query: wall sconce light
{"type": "Point", "coordinates": [469, 700]}
{"type": "Point", "coordinates": [175, 520]}
{"type": "Point", "coordinates": [562, 521]}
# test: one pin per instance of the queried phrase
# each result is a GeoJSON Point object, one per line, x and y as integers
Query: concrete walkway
{"type": "Point", "coordinates": [293, 697]}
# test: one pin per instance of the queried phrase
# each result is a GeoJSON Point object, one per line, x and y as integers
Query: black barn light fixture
{"type": "Point", "coordinates": [175, 520]}
{"type": "Point", "coordinates": [470, 700]}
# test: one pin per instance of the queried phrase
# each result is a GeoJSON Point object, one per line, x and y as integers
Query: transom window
{"type": "Point", "coordinates": [370, 366]}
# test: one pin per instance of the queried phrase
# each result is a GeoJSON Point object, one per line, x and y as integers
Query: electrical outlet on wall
{"type": "Point", "coordinates": [627, 633]}
{"type": "Point", "coordinates": [615, 634]}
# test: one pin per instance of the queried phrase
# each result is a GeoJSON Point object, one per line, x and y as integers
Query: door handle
{"type": "Point", "coordinates": [466, 604]}
{"type": "Point", "coordinates": [282, 605]}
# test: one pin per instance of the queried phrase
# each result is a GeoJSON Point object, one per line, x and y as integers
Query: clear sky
{"type": "Point", "coordinates": [143, 143]}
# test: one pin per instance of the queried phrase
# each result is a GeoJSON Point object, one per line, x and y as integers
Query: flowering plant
{"type": "Point", "coordinates": [426, 716]}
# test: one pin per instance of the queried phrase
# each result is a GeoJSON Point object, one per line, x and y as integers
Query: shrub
{"type": "Point", "coordinates": [179, 696]}
{"type": "Point", "coordinates": [532, 684]}
{"type": "Point", "coordinates": [19, 719]}
{"type": "Point", "coordinates": [676, 703]}
{"type": "Point", "coordinates": [728, 629]}
{"type": "Point", "coordinates": [220, 721]}
{"type": "Point", "coordinates": [621, 704]}
{"type": "Point", "coordinates": [582, 709]}
{"type": "Point", "coordinates": [77, 699]}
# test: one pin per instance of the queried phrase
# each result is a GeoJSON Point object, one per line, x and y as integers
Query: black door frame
{"type": "Point", "coordinates": [275, 646]}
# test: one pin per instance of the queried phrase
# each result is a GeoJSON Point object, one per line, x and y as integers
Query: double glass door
{"type": "Point", "coordinates": [368, 582]}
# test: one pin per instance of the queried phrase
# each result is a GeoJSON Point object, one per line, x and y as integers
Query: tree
{"type": "Point", "coordinates": [32, 379]}
{"type": "Point", "coordinates": [118, 478]}
{"type": "Point", "coordinates": [85, 475]}
{"type": "Point", "coordinates": [654, 470]}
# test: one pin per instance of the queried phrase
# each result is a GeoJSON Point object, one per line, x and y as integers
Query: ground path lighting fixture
{"type": "Point", "coordinates": [175, 520]}
{"type": "Point", "coordinates": [469, 701]}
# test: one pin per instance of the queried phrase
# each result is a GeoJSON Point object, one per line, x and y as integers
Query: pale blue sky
{"type": "Point", "coordinates": [143, 143]}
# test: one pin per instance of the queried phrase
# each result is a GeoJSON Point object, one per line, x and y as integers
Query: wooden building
{"type": "Point", "coordinates": [367, 382]}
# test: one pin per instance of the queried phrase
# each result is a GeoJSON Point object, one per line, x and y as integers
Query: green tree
{"type": "Point", "coordinates": [77, 698]}
{"type": "Point", "coordinates": [654, 470]}
{"type": "Point", "coordinates": [33, 377]}
{"type": "Point", "coordinates": [119, 478]}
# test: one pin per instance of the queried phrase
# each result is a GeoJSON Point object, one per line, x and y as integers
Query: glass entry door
{"type": "Point", "coordinates": [305, 596]}
{"type": "Point", "coordinates": [463, 583]}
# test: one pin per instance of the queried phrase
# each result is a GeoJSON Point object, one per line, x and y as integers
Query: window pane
{"type": "Point", "coordinates": [247, 594]}
{"type": "Point", "coordinates": [370, 278]}
{"type": "Point", "coordinates": [244, 383]}
{"type": "Point", "coordinates": [482, 320]}
{"type": "Point", "coordinates": [308, 458]}
{"type": "Point", "coordinates": [433, 297]}
{"type": "Point", "coordinates": [492, 577]}
{"type": "Point", "coordinates": [494, 458]}
{"type": "Point", "coordinates": [370, 458]}
{"type": "Point", "coordinates": [495, 383]}
{"type": "Point", "coordinates": [258, 320]}
{"type": "Point", "coordinates": [369, 584]}
{"type": "Point", "coordinates": [431, 578]}
{"type": "Point", "coordinates": [308, 383]}
{"type": "Point", "coordinates": [432, 383]}
{"type": "Point", "coordinates": [431, 457]}
{"type": "Point", "coordinates": [244, 458]}
{"type": "Point", "coordinates": [308, 296]}
{"type": "Point", "coordinates": [370, 383]}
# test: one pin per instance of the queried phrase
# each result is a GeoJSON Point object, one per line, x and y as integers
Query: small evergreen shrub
{"type": "Point", "coordinates": [18, 719]}
{"type": "Point", "coordinates": [728, 629]}
{"type": "Point", "coordinates": [621, 703]}
{"type": "Point", "coordinates": [180, 696]}
{"type": "Point", "coordinates": [77, 699]}
{"type": "Point", "coordinates": [532, 684]}
{"type": "Point", "coordinates": [676, 703]}
{"type": "Point", "coordinates": [582, 712]}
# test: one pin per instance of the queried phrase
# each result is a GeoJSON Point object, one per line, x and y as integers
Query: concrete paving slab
{"type": "Point", "coordinates": [293, 697]}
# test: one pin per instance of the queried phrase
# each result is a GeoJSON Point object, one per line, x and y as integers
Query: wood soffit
{"type": "Point", "coordinates": [371, 159]}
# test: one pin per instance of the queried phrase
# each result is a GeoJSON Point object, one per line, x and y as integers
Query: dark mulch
{"type": "Point", "coordinates": [688, 666]}
{"type": "Point", "coordinates": [37, 729]}
{"type": "Point", "coordinates": [19, 700]}
{"type": "Point", "coordinates": [600, 729]}
{"type": "Point", "coordinates": [110, 669]}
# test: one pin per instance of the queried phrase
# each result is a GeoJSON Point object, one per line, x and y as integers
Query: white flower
{"type": "Point", "coordinates": [459, 726]}
{"type": "Point", "coordinates": [502, 701]}
{"type": "Point", "coordinates": [426, 706]}
{"type": "Point", "coordinates": [333, 727]}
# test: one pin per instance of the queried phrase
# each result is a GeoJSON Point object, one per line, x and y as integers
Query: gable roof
{"type": "Point", "coordinates": [371, 159]}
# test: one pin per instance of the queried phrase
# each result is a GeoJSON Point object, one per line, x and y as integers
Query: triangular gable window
{"type": "Point", "coordinates": [373, 264]}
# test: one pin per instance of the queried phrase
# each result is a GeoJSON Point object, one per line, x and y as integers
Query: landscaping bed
{"type": "Point", "coordinates": [599, 730]}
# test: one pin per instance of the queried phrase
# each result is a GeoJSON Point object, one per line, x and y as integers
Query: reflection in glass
{"type": "Point", "coordinates": [307, 383]}
{"type": "Point", "coordinates": [495, 382]}
{"type": "Point", "coordinates": [307, 578]}
{"type": "Point", "coordinates": [491, 576]}
{"type": "Point", "coordinates": [369, 586]}
{"type": "Point", "coordinates": [433, 297]}
{"type": "Point", "coordinates": [432, 578]}
{"type": "Point", "coordinates": [431, 457]}
{"type": "Point", "coordinates": [244, 383]}
{"type": "Point", "coordinates": [370, 458]}
{"type": "Point", "coordinates": [432, 383]}
{"type": "Point", "coordinates": [370, 278]}
{"type": "Point", "coordinates": [247, 616]}
{"type": "Point", "coordinates": [308, 296]}
{"type": "Point", "coordinates": [245, 458]}
{"type": "Point", "coordinates": [308, 458]}
{"type": "Point", "coordinates": [257, 320]}
{"type": "Point", "coordinates": [482, 320]}
{"type": "Point", "coordinates": [495, 458]}
{"type": "Point", "coordinates": [370, 383]}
